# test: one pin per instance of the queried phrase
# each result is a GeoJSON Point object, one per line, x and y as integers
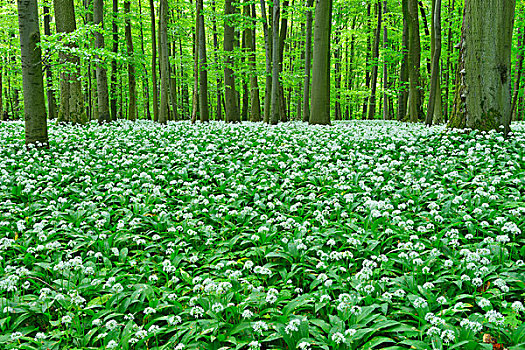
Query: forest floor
{"type": "Point", "coordinates": [361, 235]}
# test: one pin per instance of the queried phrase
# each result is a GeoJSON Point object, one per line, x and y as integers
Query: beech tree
{"type": "Point", "coordinates": [33, 81]}
{"type": "Point", "coordinates": [232, 107]}
{"type": "Point", "coordinates": [102, 79]}
{"type": "Point", "coordinates": [483, 94]}
{"type": "Point", "coordinates": [320, 113]}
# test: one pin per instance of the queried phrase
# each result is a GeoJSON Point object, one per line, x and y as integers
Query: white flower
{"type": "Point", "coordinates": [112, 344]}
{"type": "Point", "coordinates": [495, 317]}
{"type": "Point", "coordinates": [254, 345]}
{"type": "Point", "coordinates": [338, 337]}
{"type": "Point", "coordinates": [66, 319]}
{"type": "Point", "coordinates": [448, 336]}
{"type": "Point", "coordinates": [260, 327]}
{"type": "Point", "coordinates": [420, 303]}
{"type": "Point", "coordinates": [517, 306]}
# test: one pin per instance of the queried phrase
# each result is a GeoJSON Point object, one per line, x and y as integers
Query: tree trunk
{"type": "Point", "coordinates": [215, 53]}
{"type": "Point", "coordinates": [321, 64]}
{"type": "Point", "coordinates": [268, 50]}
{"type": "Point", "coordinates": [173, 82]}
{"type": "Point", "coordinates": [274, 114]}
{"type": "Point", "coordinates": [367, 58]}
{"type": "Point", "coordinates": [145, 79]}
{"type": "Point", "coordinates": [414, 58]}
{"type": "Point", "coordinates": [450, 49]}
{"type": "Point", "coordinates": [403, 75]}
{"type": "Point", "coordinates": [232, 108]}
{"type": "Point", "coordinates": [282, 37]}
{"type": "Point", "coordinates": [375, 63]}
{"type": "Point", "coordinates": [255, 103]}
{"type": "Point", "coordinates": [436, 56]}
{"type": "Point", "coordinates": [337, 72]}
{"type": "Point", "coordinates": [71, 100]}
{"type": "Point", "coordinates": [154, 62]}
{"type": "Point", "coordinates": [132, 85]}
{"type": "Point", "coordinates": [483, 98]}
{"type": "Point", "coordinates": [51, 102]}
{"type": "Point", "coordinates": [203, 69]}
{"type": "Point", "coordinates": [114, 66]}
{"type": "Point", "coordinates": [195, 96]}
{"type": "Point", "coordinates": [32, 79]}
{"type": "Point", "coordinates": [387, 112]}
{"type": "Point", "coordinates": [102, 79]}
{"type": "Point", "coordinates": [163, 48]}
{"type": "Point", "coordinates": [517, 81]}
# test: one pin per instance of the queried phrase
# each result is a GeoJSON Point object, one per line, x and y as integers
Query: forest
{"type": "Point", "coordinates": [254, 174]}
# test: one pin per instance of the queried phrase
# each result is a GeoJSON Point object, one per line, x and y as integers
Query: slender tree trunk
{"type": "Point", "coordinates": [375, 63]}
{"type": "Point", "coordinates": [1, 90]}
{"type": "Point", "coordinates": [185, 91]}
{"type": "Point", "coordinates": [337, 72]}
{"type": "Point", "coordinates": [403, 75]}
{"type": "Point", "coordinates": [203, 69]}
{"type": "Point", "coordinates": [163, 47]}
{"type": "Point", "coordinates": [321, 64]}
{"type": "Point", "coordinates": [71, 102]}
{"type": "Point", "coordinates": [387, 112]}
{"type": "Point", "coordinates": [517, 81]}
{"type": "Point", "coordinates": [114, 66]}
{"type": "Point", "coordinates": [102, 79]}
{"type": "Point", "coordinates": [414, 55]}
{"type": "Point", "coordinates": [367, 58]}
{"type": "Point", "coordinates": [255, 103]}
{"type": "Point", "coordinates": [274, 114]}
{"type": "Point", "coordinates": [51, 102]}
{"type": "Point", "coordinates": [451, 4]}
{"type": "Point", "coordinates": [427, 31]}
{"type": "Point", "coordinates": [154, 62]}
{"type": "Point", "coordinates": [435, 91]}
{"type": "Point", "coordinates": [195, 96]}
{"type": "Point", "coordinates": [215, 53]}
{"type": "Point", "coordinates": [282, 37]}
{"type": "Point", "coordinates": [173, 83]}
{"type": "Point", "coordinates": [32, 79]}
{"type": "Point", "coordinates": [232, 108]}
{"type": "Point", "coordinates": [268, 43]}
{"type": "Point", "coordinates": [145, 79]}
{"type": "Point", "coordinates": [483, 97]}
{"type": "Point", "coordinates": [132, 85]}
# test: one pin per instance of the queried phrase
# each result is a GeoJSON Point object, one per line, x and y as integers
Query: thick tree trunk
{"type": "Point", "coordinates": [102, 79]}
{"type": "Point", "coordinates": [274, 114]}
{"type": "Point", "coordinates": [367, 57]}
{"type": "Point", "coordinates": [132, 85]}
{"type": "Point", "coordinates": [268, 50]}
{"type": "Point", "coordinates": [51, 102]}
{"type": "Point", "coordinates": [232, 108]}
{"type": "Point", "coordinates": [321, 64]}
{"type": "Point", "coordinates": [114, 67]}
{"type": "Point", "coordinates": [435, 90]}
{"type": "Point", "coordinates": [414, 58]}
{"type": "Point", "coordinates": [154, 63]}
{"type": "Point", "coordinates": [375, 60]}
{"type": "Point", "coordinates": [195, 96]}
{"type": "Point", "coordinates": [283, 113]}
{"type": "Point", "coordinates": [203, 69]}
{"type": "Point", "coordinates": [32, 79]}
{"type": "Point", "coordinates": [337, 72]}
{"type": "Point", "coordinates": [307, 61]}
{"type": "Point", "coordinates": [71, 101]}
{"type": "Point", "coordinates": [483, 97]}
{"type": "Point", "coordinates": [448, 67]}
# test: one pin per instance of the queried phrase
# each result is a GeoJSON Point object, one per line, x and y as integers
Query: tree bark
{"type": "Point", "coordinates": [321, 64]}
{"type": "Point", "coordinates": [414, 58]}
{"type": "Point", "coordinates": [132, 85]}
{"type": "Point", "coordinates": [517, 81]}
{"type": "Point", "coordinates": [232, 108]}
{"type": "Point", "coordinates": [387, 112]}
{"type": "Point", "coordinates": [435, 90]}
{"type": "Point", "coordinates": [255, 103]}
{"type": "Point", "coordinates": [307, 61]}
{"type": "Point", "coordinates": [163, 47]}
{"type": "Point", "coordinates": [403, 75]}
{"type": "Point", "coordinates": [51, 101]}
{"type": "Point", "coordinates": [102, 79]}
{"type": "Point", "coordinates": [154, 63]}
{"type": "Point", "coordinates": [32, 79]}
{"type": "Point", "coordinates": [71, 101]}
{"type": "Point", "coordinates": [145, 79]}
{"type": "Point", "coordinates": [203, 69]}
{"type": "Point", "coordinates": [337, 72]}
{"type": "Point", "coordinates": [268, 51]}
{"type": "Point", "coordinates": [375, 63]}
{"type": "Point", "coordinates": [114, 67]}
{"type": "Point", "coordinates": [483, 97]}
{"type": "Point", "coordinates": [274, 114]}
{"type": "Point", "coordinates": [215, 53]}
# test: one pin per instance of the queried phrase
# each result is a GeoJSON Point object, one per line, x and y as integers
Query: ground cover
{"type": "Point", "coordinates": [361, 235]}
